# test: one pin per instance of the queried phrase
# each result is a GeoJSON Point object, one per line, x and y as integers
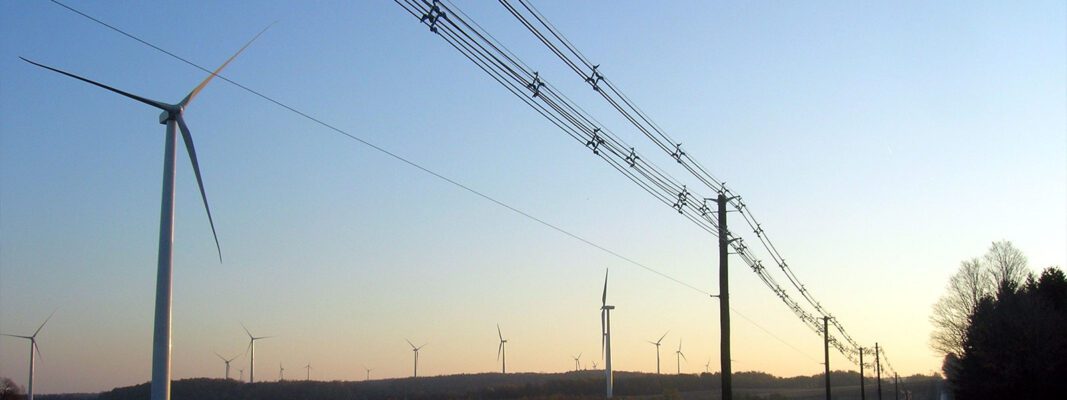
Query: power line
{"type": "Point", "coordinates": [652, 131]}
{"type": "Point", "coordinates": [646, 175]}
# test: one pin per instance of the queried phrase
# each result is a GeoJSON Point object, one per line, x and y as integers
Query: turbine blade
{"type": "Point", "coordinates": [45, 322]}
{"type": "Point", "coordinates": [246, 330]}
{"type": "Point", "coordinates": [604, 297]}
{"type": "Point", "coordinates": [188, 138]}
{"type": "Point", "coordinates": [683, 356]}
{"type": "Point", "coordinates": [501, 335]}
{"type": "Point", "coordinates": [153, 103]}
{"type": "Point", "coordinates": [664, 335]}
{"type": "Point", "coordinates": [221, 357]}
{"type": "Point", "coordinates": [198, 88]}
{"type": "Point", "coordinates": [409, 343]}
{"type": "Point", "coordinates": [498, 350]}
{"type": "Point", "coordinates": [38, 349]}
{"type": "Point", "coordinates": [16, 336]}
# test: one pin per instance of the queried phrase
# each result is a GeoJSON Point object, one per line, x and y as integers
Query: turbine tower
{"type": "Point", "coordinates": [416, 350]}
{"type": "Point", "coordinates": [577, 362]}
{"type": "Point", "coordinates": [252, 354]}
{"type": "Point", "coordinates": [242, 372]}
{"type": "Point", "coordinates": [605, 329]}
{"type": "Point", "coordinates": [501, 352]}
{"type": "Point", "coordinates": [227, 362]}
{"type": "Point", "coordinates": [368, 372]}
{"type": "Point", "coordinates": [281, 372]}
{"type": "Point", "coordinates": [308, 367]}
{"type": "Point", "coordinates": [172, 117]}
{"type": "Point", "coordinates": [33, 348]}
{"type": "Point", "coordinates": [680, 356]}
{"type": "Point", "coordinates": [657, 343]}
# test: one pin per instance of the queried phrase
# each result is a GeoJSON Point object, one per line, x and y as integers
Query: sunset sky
{"type": "Point", "coordinates": [879, 145]}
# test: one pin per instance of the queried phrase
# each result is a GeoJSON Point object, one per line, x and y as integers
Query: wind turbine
{"type": "Point", "coordinates": [368, 372]}
{"type": "Point", "coordinates": [172, 118]}
{"type": "Point", "coordinates": [252, 354]}
{"type": "Point", "coordinates": [33, 348]}
{"type": "Point", "coordinates": [577, 362]}
{"type": "Point", "coordinates": [656, 343]}
{"type": "Point", "coordinates": [680, 356]}
{"type": "Point", "coordinates": [707, 366]}
{"type": "Point", "coordinates": [227, 361]}
{"type": "Point", "coordinates": [605, 329]}
{"type": "Point", "coordinates": [416, 350]}
{"type": "Point", "coordinates": [308, 367]}
{"type": "Point", "coordinates": [242, 371]}
{"type": "Point", "coordinates": [594, 365]}
{"type": "Point", "coordinates": [501, 351]}
{"type": "Point", "coordinates": [281, 372]}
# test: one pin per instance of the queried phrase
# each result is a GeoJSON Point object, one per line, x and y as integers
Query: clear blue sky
{"type": "Point", "coordinates": [880, 144]}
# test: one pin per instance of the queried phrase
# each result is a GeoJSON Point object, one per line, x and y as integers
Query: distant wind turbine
{"type": "Point", "coordinates": [308, 367]}
{"type": "Point", "coordinates": [605, 338]}
{"type": "Point", "coordinates": [252, 354]}
{"type": "Point", "coordinates": [416, 350]}
{"type": "Point", "coordinates": [172, 118]}
{"type": "Point", "coordinates": [281, 372]}
{"type": "Point", "coordinates": [368, 371]}
{"type": "Point", "coordinates": [242, 371]}
{"type": "Point", "coordinates": [33, 348]}
{"type": "Point", "coordinates": [227, 362]}
{"type": "Point", "coordinates": [577, 362]}
{"type": "Point", "coordinates": [657, 343]}
{"type": "Point", "coordinates": [594, 365]}
{"type": "Point", "coordinates": [501, 352]}
{"type": "Point", "coordinates": [680, 356]}
{"type": "Point", "coordinates": [707, 366]}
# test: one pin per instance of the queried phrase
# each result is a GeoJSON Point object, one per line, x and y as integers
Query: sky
{"type": "Point", "coordinates": [878, 144]}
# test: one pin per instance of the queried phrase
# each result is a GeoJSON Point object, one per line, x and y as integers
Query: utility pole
{"type": "Point", "coordinates": [826, 351]}
{"type": "Point", "coordinates": [896, 386]}
{"type": "Point", "coordinates": [878, 370]}
{"type": "Point", "coordinates": [724, 300]}
{"type": "Point", "coordinates": [863, 392]}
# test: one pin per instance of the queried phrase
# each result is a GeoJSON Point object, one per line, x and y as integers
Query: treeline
{"type": "Point", "coordinates": [1016, 343]}
{"type": "Point", "coordinates": [571, 385]}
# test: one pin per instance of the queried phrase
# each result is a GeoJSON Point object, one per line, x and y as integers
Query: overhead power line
{"type": "Point", "coordinates": [655, 181]}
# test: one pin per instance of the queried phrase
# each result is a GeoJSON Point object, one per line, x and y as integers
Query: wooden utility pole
{"type": "Point", "coordinates": [826, 351]}
{"type": "Point", "coordinates": [724, 300]}
{"type": "Point", "coordinates": [863, 392]}
{"type": "Point", "coordinates": [896, 386]}
{"type": "Point", "coordinates": [878, 370]}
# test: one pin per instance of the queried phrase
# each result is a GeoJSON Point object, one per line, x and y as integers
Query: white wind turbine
{"type": "Point", "coordinates": [416, 350]}
{"type": "Point", "coordinates": [657, 343]}
{"type": "Point", "coordinates": [227, 362]}
{"type": "Point", "coordinates": [33, 348]}
{"type": "Point", "coordinates": [605, 338]}
{"type": "Point", "coordinates": [501, 352]}
{"type": "Point", "coordinates": [281, 372]}
{"type": "Point", "coordinates": [252, 354]}
{"type": "Point", "coordinates": [368, 372]}
{"type": "Point", "coordinates": [680, 356]}
{"type": "Point", "coordinates": [242, 372]}
{"type": "Point", "coordinates": [577, 362]}
{"type": "Point", "coordinates": [172, 118]}
{"type": "Point", "coordinates": [308, 367]}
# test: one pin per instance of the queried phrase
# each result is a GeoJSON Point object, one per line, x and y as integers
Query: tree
{"type": "Point", "coordinates": [952, 313]}
{"type": "Point", "coordinates": [8, 389]}
{"type": "Point", "coordinates": [1002, 269]}
{"type": "Point", "coordinates": [1015, 346]}
{"type": "Point", "coordinates": [1007, 265]}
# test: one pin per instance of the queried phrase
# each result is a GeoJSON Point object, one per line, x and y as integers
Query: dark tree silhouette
{"type": "Point", "coordinates": [9, 390]}
{"type": "Point", "coordinates": [1015, 346]}
{"type": "Point", "coordinates": [1002, 268]}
